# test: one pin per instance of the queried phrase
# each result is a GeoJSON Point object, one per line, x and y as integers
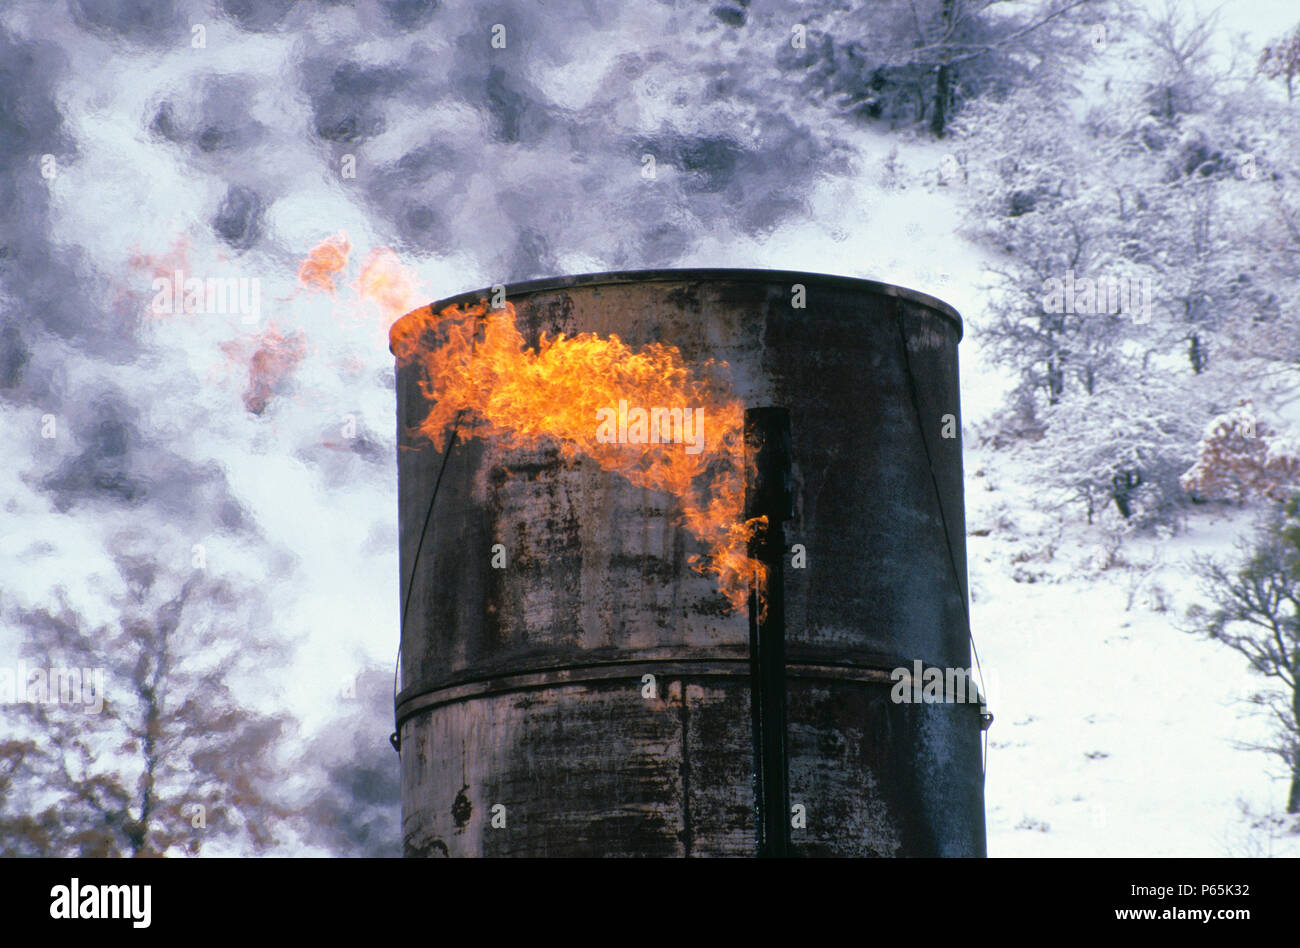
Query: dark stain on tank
{"type": "Point", "coordinates": [643, 563]}
{"type": "Point", "coordinates": [687, 831]}
{"type": "Point", "coordinates": [713, 605]}
{"type": "Point", "coordinates": [686, 297]}
{"type": "Point", "coordinates": [461, 809]}
{"type": "Point", "coordinates": [550, 316]}
{"type": "Point", "coordinates": [430, 847]}
{"type": "Point", "coordinates": [530, 470]}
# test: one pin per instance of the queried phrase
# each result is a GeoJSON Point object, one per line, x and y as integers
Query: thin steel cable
{"type": "Point", "coordinates": [943, 518]}
{"type": "Point", "coordinates": [419, 546]}
{"type": "Point", "coordinates": [395, 739]}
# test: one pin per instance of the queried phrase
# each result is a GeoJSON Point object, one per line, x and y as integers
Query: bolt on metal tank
{"type": "Point", "coordinates": [571, 685]}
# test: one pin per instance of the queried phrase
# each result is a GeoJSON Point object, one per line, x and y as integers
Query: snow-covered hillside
{"type": "Point", "coordinates": [1115, 733]}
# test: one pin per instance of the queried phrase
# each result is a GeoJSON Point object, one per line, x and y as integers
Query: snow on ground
{"type": "Point", "coordinates": [1115, 733]}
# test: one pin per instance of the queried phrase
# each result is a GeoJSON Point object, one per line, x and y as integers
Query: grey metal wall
{"type": "Point", "coordinates": [522, 688]}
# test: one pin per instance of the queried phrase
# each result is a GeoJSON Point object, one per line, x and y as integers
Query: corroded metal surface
{"type": "Point", "coordinates": [524, 725]}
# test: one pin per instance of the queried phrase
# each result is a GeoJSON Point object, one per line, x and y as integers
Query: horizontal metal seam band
{"type": "Point", "coordinates": [581, 674]}
{"type": "Point", "coordinates": [728, 657]}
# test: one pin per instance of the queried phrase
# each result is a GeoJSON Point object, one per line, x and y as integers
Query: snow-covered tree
{"type": "Point", "coordinates": [172, 760]}
{"type": "Point", "coordinates": [1255, 610]}
{"type": "Point", "coordinates": [1281, 60]}
{"type": "Point", "coordinates": [1041, 197]}
{"type": "Point", "coordinates": [1179, 49]}
{"type": "Point", "coordinates": [1239, 455]}
{"type": "Point", "coordinates": [1120, 450]}
{"type": "Point", "coordinates": [921, 61]}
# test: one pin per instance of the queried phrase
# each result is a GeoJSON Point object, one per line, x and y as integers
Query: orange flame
{"type": "Point", "coordinates": [323, 262]}
{"type": "Point", "coordinates": [481, 378]}
{"type": "Point", "coordinates": [384, 281]}
{"type": "Point", "coordinates": [271, 357]}
{"type": "Point", "coordinates": [479, 374]}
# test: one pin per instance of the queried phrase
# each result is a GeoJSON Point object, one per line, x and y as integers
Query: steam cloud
{"type": "Point", "coordinates": [128, 147]}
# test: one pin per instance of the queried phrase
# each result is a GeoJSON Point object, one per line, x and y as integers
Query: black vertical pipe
{"type": "Point", "coordinates": [769, 493]}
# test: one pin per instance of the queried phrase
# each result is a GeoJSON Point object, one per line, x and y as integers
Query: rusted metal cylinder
{"type": "Point", "coordinates": [526, 724]}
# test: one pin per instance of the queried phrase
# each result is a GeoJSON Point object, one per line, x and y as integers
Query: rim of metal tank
{"type": "Point", "coordinates": [706, 274]}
